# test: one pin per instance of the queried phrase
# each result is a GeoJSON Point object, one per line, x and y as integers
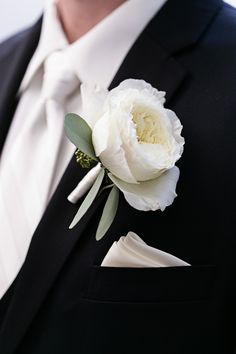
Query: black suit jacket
{"type": "Point", "coordinates": [62, 301]}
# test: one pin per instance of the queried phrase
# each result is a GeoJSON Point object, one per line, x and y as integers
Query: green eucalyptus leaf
{"type": "Point", "coordinates": [109, 213]}
{"type": "Point", "coordinates": [80, 134]}
{"type": "Point", "coordinates": [89, 199]}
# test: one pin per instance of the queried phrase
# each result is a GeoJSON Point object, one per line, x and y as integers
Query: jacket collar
{"type": "Point", "coordinates": [174, 29]}
{"type": "Point", "coordinates": [97, 40]}
{"type": "Point", "coordinates": [14, 59]}
{"type": "Point", "coordinates": [151, 58]}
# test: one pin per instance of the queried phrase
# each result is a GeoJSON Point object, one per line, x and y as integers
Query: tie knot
{"type": "Point", "coordinates": [59, 80]}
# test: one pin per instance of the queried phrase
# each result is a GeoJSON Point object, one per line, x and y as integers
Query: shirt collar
{"type": "Point", "coordinates": [96, 56]}
{"type": "Point", "coordinates": [52, 38]}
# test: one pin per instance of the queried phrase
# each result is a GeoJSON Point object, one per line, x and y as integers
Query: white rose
{"type": "Point", "coordinates": [137, 140]}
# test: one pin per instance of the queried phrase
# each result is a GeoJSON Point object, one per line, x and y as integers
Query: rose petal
{"type": "Point", "coordinates": [177, 129]}
{"type": "Point", "coordinates": [93, 98]}
{"type": "Point", "coordinates": [108, 147]}
{"type": "Point", "coordinates": [100, 134]}
{"type": "Point", "coordinates": [139, 85]}
{"type": "Point", "coordinates": [151, 195]}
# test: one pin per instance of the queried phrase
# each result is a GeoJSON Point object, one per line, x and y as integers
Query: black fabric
{"type": "Point", "coordinates": [63, 301]}
{"type": "Point", "coordinates": [5, 301]}
{"type": "Point", "coordinates": [15, 55]}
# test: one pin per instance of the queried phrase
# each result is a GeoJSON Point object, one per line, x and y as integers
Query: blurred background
{"type": "Point", "coordinates": [18, 14]}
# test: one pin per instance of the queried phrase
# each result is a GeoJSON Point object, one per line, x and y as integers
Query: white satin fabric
{"type": "Point", "coordinates": [25, 181]}
{"type": "Point", "coordinates": [132, 251]}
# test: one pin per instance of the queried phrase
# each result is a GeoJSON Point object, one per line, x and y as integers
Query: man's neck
{"type": "Point", "coordinates": [79, 16]}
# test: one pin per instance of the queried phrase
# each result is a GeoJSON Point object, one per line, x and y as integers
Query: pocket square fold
{"type": "Point", "coordinates": [132, 251]}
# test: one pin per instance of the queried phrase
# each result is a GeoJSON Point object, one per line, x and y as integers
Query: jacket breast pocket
{"type": "Point", "coordinates": [187, 283]}
{"type": "Point", "coordinates": [144, 310]}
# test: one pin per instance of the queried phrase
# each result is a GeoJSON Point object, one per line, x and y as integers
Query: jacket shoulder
{"type": "Point", "coordinates": [9, 45]}
{"type": "Point", "coordinates": [226, 22]}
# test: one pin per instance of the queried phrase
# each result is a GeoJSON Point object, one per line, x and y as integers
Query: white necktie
{"type": "Point", "coordinates": [25, 181]}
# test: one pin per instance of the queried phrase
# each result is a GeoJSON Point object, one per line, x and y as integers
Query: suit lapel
{"type": "Point", "coordinates": [173, 29]}
{"type": "Point", "coordinates": [157, 67]}
{"type": "Point", "coordinates": [14, 59]}
{"type": "Point", "coordinates": [151, 59]}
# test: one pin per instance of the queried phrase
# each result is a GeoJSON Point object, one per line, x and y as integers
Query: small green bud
{"type": "Point", "coordinates": [84, 160]}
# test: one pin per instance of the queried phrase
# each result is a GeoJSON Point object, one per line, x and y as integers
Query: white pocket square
{"type": "Point", "coordinates": [132, 251]}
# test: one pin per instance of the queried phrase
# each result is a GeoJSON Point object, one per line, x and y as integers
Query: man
{"type": "Point", "coordinates": [62, 300]}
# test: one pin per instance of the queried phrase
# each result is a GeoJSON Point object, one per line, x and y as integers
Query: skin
{"type": "Point", "coordinates": [79, 16]}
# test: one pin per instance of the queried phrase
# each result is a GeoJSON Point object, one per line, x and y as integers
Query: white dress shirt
{"type": "Point", "coordinates": [95, 58]}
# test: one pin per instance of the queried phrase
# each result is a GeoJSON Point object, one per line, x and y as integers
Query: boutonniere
{"type": "Point", "coordinates": [134, 142]}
